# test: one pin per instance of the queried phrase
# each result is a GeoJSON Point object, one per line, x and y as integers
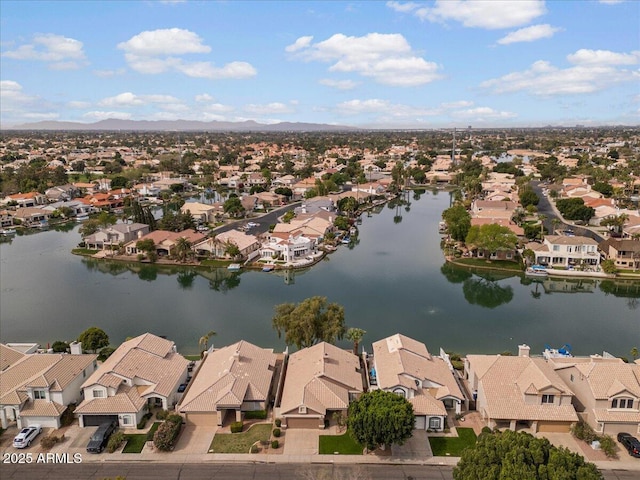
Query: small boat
{"type": "Point", "coordinates": [346, 240]}
{"type": "Point", "coordinates": [8, 231]}
{"type": "Point", "coordinates": [442, 227]}
{"type": "Point", "coordinates": [536, 271]}
{"type": "Point", "coordinates": [82, 217]}
{"type": "Point", "coordinates": [234, 267]}
{"type": "Point", "coordinates": [268, 268]}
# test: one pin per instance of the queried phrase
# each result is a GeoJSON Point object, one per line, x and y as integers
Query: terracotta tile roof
{"type": "Point", "coordinates": [41, 408]}
{"type": "Point", "coordinates": [8, 356]}
{"type": "Point", "coordinates": [565, 240]}
{"type": "Point", "coordinates": [506, 380]}
{"type": "Point", "coordinates": [126, 400]}
{"type": "Point", "coordinates": [401, 360]}
{"type": "Point", "coordinates": [320, 377]}
{"type": "Point", "coordinates": [230, 376]}
{"type": "Point", "coordinates": [40, 370]}
{"type": "Point", "coordinates": [616, 416]}
{"type": "Point", "coordinates": [147, 357]}
{"type": "Point", "coordinates": [425, 404]}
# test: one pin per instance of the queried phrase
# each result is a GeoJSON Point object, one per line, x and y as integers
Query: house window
{"type": "Point", "coordinates": [399, 391]}
{"type": "Point", "coordinates": [547, 398]}
{"type": "Point", "coordinates": [434, 423]}
{"type": "Point", "coordinates": [84, 374]}
{"type": "Point", "coordinates": [556, 248]}
{"type": "Point", "coordinates": [571, 377]}
{"type": "Point", "coordinates": [126, 420]}
{"type": "Point", "coordinates": [98, 393]}
{"type": "Point", "coordinates": [39, 395]}
{"type": "Point", "coordinates": [302, 409]}
{"type": "Point", "coordinates": [622, 403]}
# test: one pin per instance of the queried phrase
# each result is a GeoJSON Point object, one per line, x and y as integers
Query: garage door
{"type": "Point", "coordinates": [96, 420]}
{"type": "Point", "coordinates": [562, 427]}
{"type": "Point", "coordinates": [303, 423]}
{"type": "Point", "coordinates": [421, 422]}
{"type": "Point", "coordinates": [202, 419]}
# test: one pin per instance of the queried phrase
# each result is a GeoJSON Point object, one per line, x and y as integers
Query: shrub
{"type": "Point", "coordinates": [278, 422]}
{"type": "Point", "coordinates": [254, 448]}
{"type": "Point", "coordinates": [162, 414]}
{"type": "Point", "coordinates": [236, 427]}
{"type": "Point", "coordinates": [275, 444]}
{"type": "Point", "coordinates": [115, 441]}
{"type": "Point", "coordinates": [167, 432]}
{"type": "Point", "coordinates": [49, 441]}
{"type": "Point", "coordinates": [608, 446]}
{"type": "Point", "coordinates": [485, 430]}
{"type": "Point", "coordinates": [583, 431]}
{"type": "Point", "coordinates": [143, 422]}
{"type": "Point", "coordinates": [276, 432]}
{"type": "Point", "coordinates": [256, 415]}
{"type": "Point", "coordinates": [67, 417]}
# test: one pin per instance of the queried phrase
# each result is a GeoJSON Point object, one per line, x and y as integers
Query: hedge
{"type": "Point", "coordinates": [167, 432]}
{"type": "Point", "coordinates": [255, 415]}
{"type": "Point", "coordinates": [236, 427]}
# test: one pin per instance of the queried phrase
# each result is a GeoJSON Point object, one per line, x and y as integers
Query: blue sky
{"type": "Point", "coordinates": [417, 64]}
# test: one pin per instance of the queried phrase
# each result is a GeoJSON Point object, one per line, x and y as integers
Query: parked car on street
{"type": "Point", "coordinates": [26, 436]}
{"type": "Point", "coordinates": [631, 443]}
{"type": "Point", "coordinates": [100, 438]}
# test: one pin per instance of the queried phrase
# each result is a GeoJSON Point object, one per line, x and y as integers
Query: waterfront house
{"type": "Point", "coordinates": [606, 391]}
{"type": "Point", "coordinates": [493, 209]}
{"type": "Point", "coordinates": [115, 235]}
{"type": "Point", "coordinates": [624, 252]}
{"type": "Point", "coordinates": [230, 381]}
{"type": "Point", "coordinates": [30, 199]}
{"type": "Point", "coordinates": [37, 388]}
{"type": "Point", "coordinates": [405, 367]}
{"type": "Point", "coordinates": [62, 193]}
{"type": "Point", "coordinates": [218, 246]}
{"type": "Point", "coordinates": [288, 247]}
{"type": "Point", "coordinates": [143, 372]}
{"type": "Point", "coordinates": [165, 241]}
{"type": "Point", "coordinates": [320, 380]}
{"type": "Point", "coordinates": [560, 251]}
{"type": "Point", "coordinates": [31, 216]}
{"type": "Point", "coordinates": [520, 392]}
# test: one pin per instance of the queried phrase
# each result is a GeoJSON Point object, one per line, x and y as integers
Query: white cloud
{"type": "Point", "coordinates": [78, 104]}
{"type": "Point", "coordinates": [593, 70]}
{"type": "Point", "coordinates": [339, 84]}
{"type": "Point", "coordinates": [268, 109]}
{"type": "Point", "coordinates": [458, 104]}
{"type": "Point", "coordinates": [128, 99]}
{"type": "Point", "coordinates": [300, 43]}
{"type": "Point", "coordinates": [205, 97]}
{"type": "Point", "coordinates": [158, 51]}
{"type": "Point", "coordinates": [102, 115]}
{"type": "Point", "coordinates": [108, 73]}
{"type": "Point", "coordinates": [488, 14]}
{"type": "Point", "coordinates": [218, 108]}
{"type": "Point", "coordinates": [529, 34]}
{"type": "Point", "coordinates": [41, 116]}
{"type": "Point", "coordinates": [403, 7]}
{"type": "Point", "coordinates": [387, 58]}
{"type": "Point", "coordinates": [481, 114]}
{"type": "Point", "coordinates": [611, 2]}
{"type": "Point", "coordinates": [61, 53]}
{"type": "Point", "coordinates": [376, 105]}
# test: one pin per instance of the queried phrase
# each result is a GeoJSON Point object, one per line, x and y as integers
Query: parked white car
{"type": "Point", "coordinates": [26, 436]}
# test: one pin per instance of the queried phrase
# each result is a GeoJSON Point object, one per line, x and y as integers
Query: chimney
{"type": "Point", "coordinates": [76, 348]}
{"type": "Point", "coordinates": [523, 350]}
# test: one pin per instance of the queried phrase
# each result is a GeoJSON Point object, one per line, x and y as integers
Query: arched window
{"type": "Point", "coordinates": [399, 391]}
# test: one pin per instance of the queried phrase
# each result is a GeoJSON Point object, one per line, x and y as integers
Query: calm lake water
{"type": "Point", "coordinates": [393, 280]}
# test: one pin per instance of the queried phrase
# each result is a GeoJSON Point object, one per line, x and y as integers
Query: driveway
{"type": "Point", "coordinates": [415, 448]}
{"type": "Point", "coordinates": [195, 439]}
{"type": "Point", "coordinates": [302, 441]}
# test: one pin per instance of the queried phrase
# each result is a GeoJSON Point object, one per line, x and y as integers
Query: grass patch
{"type": "Point", "coordinates": [342, 444]}
{"type": "Point", "coordinates": [135, 443]}
{"type": "Point", "coordinates": [84, 251]}
{"type": "Point", "coordinates": [453, 446]}
{"type": "Point", "coordinates": [193, 358]}
{"type": "Point", "coordinates": [240, 442]}
{"type": "Point", "coordinates": [215, 263]}
{"type": "Point", "coordinates": [152, 430]}
{"type": "Point", "coordinates": [477, 262]}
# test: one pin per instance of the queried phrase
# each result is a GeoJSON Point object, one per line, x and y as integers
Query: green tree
{"type": "Point", "coordinates": [458, 221]}
{"type": "Point", "coordinates": [511, 455]}
{"type": "Point", "coordinates": [183, 249]}
{"type": "Point", "coordinates": [634, 352]}
{"type": "Point", "coordinates": [609, 266]}
{"type": "Point", "coordinates": [491, 238]}
{"type": "Point", "coordinates": [204, 340]}
{"type": "Point", "coordinates": [93, 339]}
{"type": "Point", "coordinates": [341, 223]}
{"type": "Point", "coordinates": [528, 197]}
{"type": "Point", "coordinates": [60, 347]}
{"type": "Point", "coordinates": [233, 207]}
{"type": "Point", "coordinates": [355, 335]}
{"type": "Point", "coordinates": [311, 321]}
{"type": "Point", "coordinates": [380, 419]}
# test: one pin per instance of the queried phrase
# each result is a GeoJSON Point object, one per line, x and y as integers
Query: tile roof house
{"type": "Point", "coordinates": [404, 366]}
{"type": "Point", "coordinates": [231, 380]}
{"type": "Point", "coordinates": [320, 380]}
{"type": "Point", "coordinates": [37, 388]}
{"type": "Point", "coordinates": [165, 241]}
{"type": "Point", "coordinates": [607, 391]}
{"type": "Point", "coordinates": [520, 391]}
{"type": "Point", "coordinates": [218, 246]}
{"type": "Point", "coordinates": [144, 370]}
{"type": "Point", "coordinates": [559, 251]}
{"type": "Point", "coordinates": [115, 235]}
{"type": "Point", "coordinates": [624, 252]}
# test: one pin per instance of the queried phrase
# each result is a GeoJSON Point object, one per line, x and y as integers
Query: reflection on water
{"type": "Point", "coordinates": [486, 293]}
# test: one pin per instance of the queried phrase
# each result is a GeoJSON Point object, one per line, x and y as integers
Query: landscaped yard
{"type": "Point", "coordinates": [342, 444]}
{"type": "Point", "coordinates": [135, 443]}
{"type": "Point", "coordinates": [453, 446]}
{"type": "Point", "coordinates": [240, 442]}
{"type": "Point", "coordinates": [477, 262]}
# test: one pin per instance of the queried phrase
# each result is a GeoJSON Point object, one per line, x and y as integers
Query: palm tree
{"type": "Point", "coordinates": [555, 222]}
{"type": "Point", "coordinates": [355, 335]}
{"type": "Point", "coordinates": [183, 248]}
{"type": "Point", "coordinates": [204, 340]}
{"type": "Point", "coordinates": [634, 352]}
{"type": "Point", "coordinates": [542, 218]}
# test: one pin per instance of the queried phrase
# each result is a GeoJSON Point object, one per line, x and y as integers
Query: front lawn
{"type": "Point", "coordinates": [135, 443]}
{"type": "Point", "coordinates": [477, 262]}
{"type": "Point", "coordinates": [240, 442]}
{"type": "Point", "coordinates": [341, 444]}
{"type": "Point", "coordinates": [453, 446]}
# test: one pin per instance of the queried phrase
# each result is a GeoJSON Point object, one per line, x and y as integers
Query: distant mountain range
{"type": "Point", "coordinates": [113, 124]}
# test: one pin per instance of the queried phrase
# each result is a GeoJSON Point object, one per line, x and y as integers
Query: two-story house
{"type": "Point", "coordinates": [37, 388]}
{"type": "Point", "coordinates": [606, 391]}
{"type": "Point", "coordinates": [115, 235]}
{"type": "Point", "coordinates": [563, 251]}
{"type": "Point", "coordinates": [624, 252]}
{"type": "Point", "coordinates": [143, 372]}
{"type": "Point", "coordinates": [404, 366]}
{"type": "Point", "coordinates": [520, 392]}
